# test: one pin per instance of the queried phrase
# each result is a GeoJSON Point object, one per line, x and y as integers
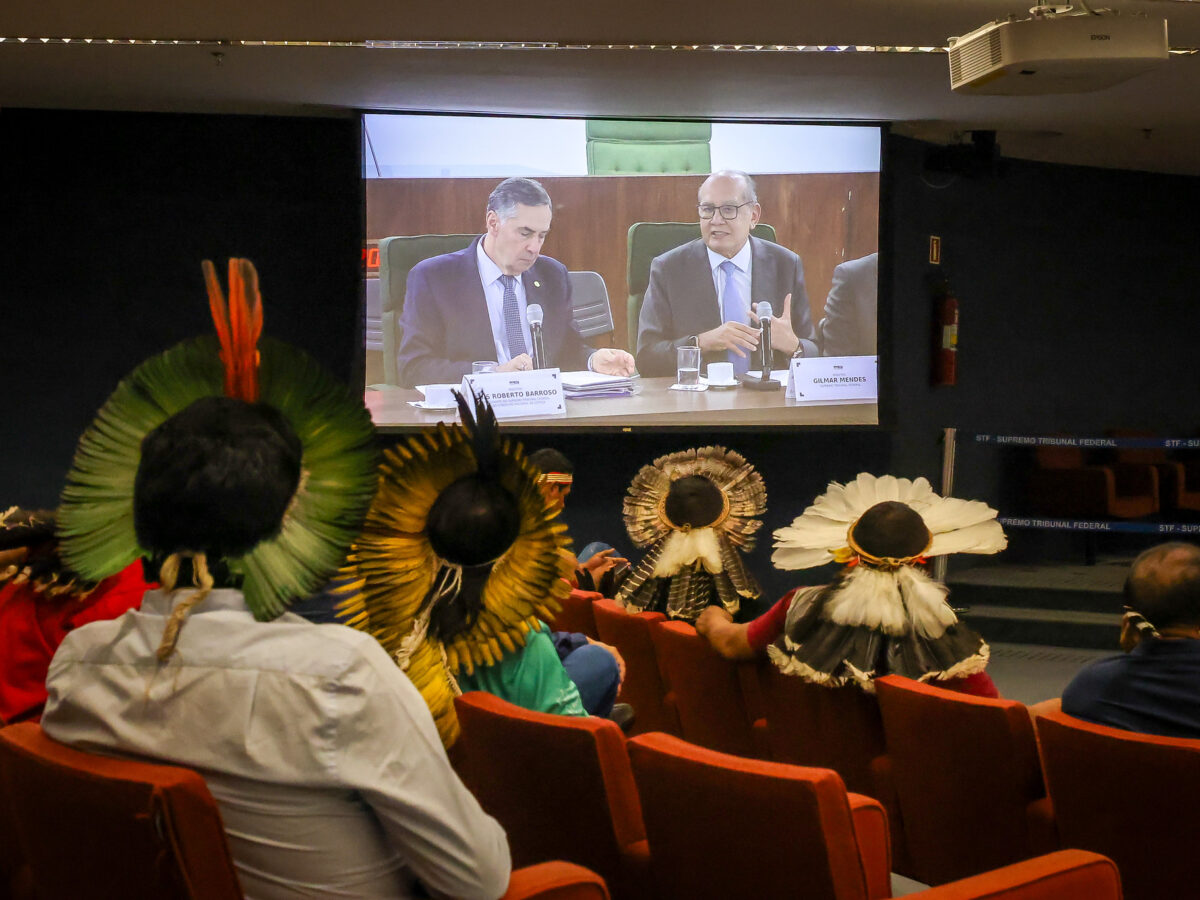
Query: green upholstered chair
{"type": "Point", "coordinates": [648, 240]}
{"type": "Point", "coordinates": [397, 255]}
{"type": "Point", "coordinates": [622, 147]}
{"type": "Point", "coordinates": [589, 303]}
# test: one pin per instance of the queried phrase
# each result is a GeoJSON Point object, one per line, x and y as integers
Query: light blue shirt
{"type": "Point", "coordinates": [743, 260]}
{"type": "Point", "coordinates": [493, 292]}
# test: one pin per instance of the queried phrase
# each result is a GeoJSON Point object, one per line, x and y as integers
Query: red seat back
{"type": "Point", "coordinates": [576, 614]}
{"type": "Point", "coordinates": [92, 826]}
{"type": "Point", "coordinates": [643, 686]}
{"type": "Point", "coordinates": [1133, 797]}
{"type": "Point", "coordinates": [561, 786]}
{"type": "Point", "coordinates": [1062, 875]}
{"type": "Point", "coordinates": [721, 826]}
{"type": "Point", "coordinates": [706, 691]}
{"type": "Point", "coordinates": [967, 778]}
{"type": "Point", "coordinates": [835, 728]}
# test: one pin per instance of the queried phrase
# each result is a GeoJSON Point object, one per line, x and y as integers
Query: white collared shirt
{"type": "Point", "coordinates": [743, 260]}
{"type": "Point", "coordinates": [493, 292]}
{"type": "Point", "coordinates": [320, 752]}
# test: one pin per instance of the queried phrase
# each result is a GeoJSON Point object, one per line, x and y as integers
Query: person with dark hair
{"type": "Point", "coordinates": [1154, 686]}
{"type": "Point", "coordinates": [695, 512]}
{"type": "Point", "coordinates": [704, 293]}
{"type": "Point", "coordinates": [596, 668]}
{"type": "Point", "coordinates": [882, 614]}
{"type": "Point", "coordinates": [457, 595]}
{"type": "Point", "coordinates": [41, 602]}
{"type": "Point", "coordinates": [557, 477]}
{"type": "Point", "coordinates": [243, 472]}
{"type": "Point", "coordinates": [471, 305]}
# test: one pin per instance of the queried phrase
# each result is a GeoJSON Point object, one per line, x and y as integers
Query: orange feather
{"type": "Point", "coordinates": [238, 324]}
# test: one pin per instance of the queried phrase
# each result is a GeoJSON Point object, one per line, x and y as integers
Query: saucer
{"type": "Point", "coordinates": [721, 385]}
{"type": "Point", "coordinates": [432, 407]}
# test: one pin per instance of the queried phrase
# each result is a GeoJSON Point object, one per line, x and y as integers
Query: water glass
{"type": "Point", "coordinates": [687, 366]}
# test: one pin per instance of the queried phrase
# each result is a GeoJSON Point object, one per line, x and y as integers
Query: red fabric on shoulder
{"type": "Point", "coordinates": [978, 685]}
{"type": "Point", "coordinates": [767, 628]}
{"type": "Point", "coordinates": [32, 626]}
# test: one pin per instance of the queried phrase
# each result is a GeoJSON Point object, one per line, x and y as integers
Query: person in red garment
{"type": "Point", "coordinates": [41, 602]}
{"type": "Point", "coordinates": [882, 615]}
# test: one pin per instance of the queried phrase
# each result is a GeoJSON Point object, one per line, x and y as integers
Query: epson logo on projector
{"type": "Point", "coordinates": [1101, 37]}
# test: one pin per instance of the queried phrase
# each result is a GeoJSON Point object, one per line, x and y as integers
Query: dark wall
{"type": "Point", "coordinates": [1074, 286]}
{"type": "Point", "coordinates": [105, 219]}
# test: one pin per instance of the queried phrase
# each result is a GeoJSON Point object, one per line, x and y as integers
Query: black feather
{"type": "Point", "coordinates": [481, 425]}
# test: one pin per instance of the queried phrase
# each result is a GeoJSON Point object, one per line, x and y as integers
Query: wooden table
{"type": "Point", "coordinates": [652, 404]}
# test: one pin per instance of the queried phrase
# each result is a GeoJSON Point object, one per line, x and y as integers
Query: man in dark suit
{"type": "Point", "coordinates": [704, 293]}
{"type": "Point", "coordinates": [472, 305]}
{"type": "Point", "coordinates": [849, 328]}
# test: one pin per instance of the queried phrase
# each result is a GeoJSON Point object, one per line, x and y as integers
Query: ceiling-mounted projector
{"type": "Point", "coordinates": [1056, 51]}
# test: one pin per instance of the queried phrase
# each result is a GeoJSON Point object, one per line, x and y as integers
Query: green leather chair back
{"type": "Point", "coordinates": [620, 147]}
{"type": "Point", "coordinates": [397, 255]}
{"type": "Point", "coordinates": [650, 239]}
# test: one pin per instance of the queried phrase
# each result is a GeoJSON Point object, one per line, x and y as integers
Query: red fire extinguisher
{"type": "Point", "coordinates": [945, 336]}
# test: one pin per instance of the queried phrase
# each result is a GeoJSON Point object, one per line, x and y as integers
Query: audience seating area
{"type": "Point", "coordinates": [827, 792]}
{"type": "Point", "coordinates": [77, 825]}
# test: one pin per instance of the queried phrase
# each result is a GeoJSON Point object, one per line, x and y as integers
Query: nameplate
{"type": "Point", "coordinates": [516, 395]}
{"type": "Point", "coordinates": [819, 378]}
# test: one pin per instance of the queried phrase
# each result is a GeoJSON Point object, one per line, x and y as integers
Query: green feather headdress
{"type": "Point", "coordinates": [338, 456]}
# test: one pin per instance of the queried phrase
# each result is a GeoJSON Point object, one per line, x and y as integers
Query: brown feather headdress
{"type": "Point", "coordinates": [696, 512]}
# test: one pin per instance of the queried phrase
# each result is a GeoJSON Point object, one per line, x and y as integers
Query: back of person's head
{"type": "Point", "coordinates": [550, 460]}
{"type": "Point", "coordinates": [1164, 585]}
{"type": "Point", "coordinates": [215, 478]}
{"type": "Point", "coordinates": [694, 502]}
{"type": "Point", "coordinates": [892, 530]}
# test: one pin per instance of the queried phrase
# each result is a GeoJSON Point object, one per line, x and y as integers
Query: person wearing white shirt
{"type": "Point", "coordinates": [322, 757]}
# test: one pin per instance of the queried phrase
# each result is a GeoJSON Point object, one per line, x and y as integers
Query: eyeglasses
{"type": "Point", "coordinates": [728, 210]}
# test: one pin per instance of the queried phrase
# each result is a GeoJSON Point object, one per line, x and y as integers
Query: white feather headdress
{"type": "Point", "coordinates": [821, 534]}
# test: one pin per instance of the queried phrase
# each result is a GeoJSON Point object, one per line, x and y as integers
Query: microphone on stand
{"type": "Point", "coordinates": [534, 314]}
{"type": "Point", "coordinates": [764, 311]}
{"type": "Point", "coordinates": [763, 380]}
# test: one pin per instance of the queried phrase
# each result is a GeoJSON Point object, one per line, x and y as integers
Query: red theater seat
{"type": "Point", "coordinates": [967, 777]}
{"type": "Point", "coordinates": [555, 881]}
{"type": "Point", "coordinates": [1062, 875]}
{"type": "Point", "coordinates": [576, 614]}
{"type": "Point", "coordinates": [643, 686]}
{"type": "Point", "coordinates": [835, 728]}
{"type": "Point", "coordinates": [561, 786]}
{"type": "Point", "coordinates": [96, 827]}
{"type": "Point", "coordinates": [722, 826]}
{"type": "Point", "coordinates": [707, 692]}
{"type": "Point", "coordinates": [1133, 797]}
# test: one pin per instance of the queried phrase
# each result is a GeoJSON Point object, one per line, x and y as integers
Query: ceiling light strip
{"type": "Point", "coordinates": [512, 45]}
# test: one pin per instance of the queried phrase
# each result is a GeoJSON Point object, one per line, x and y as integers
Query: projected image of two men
{"type": "Point", "coordinates": [621, 273]}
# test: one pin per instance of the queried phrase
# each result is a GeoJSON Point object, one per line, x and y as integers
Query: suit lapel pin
{"type": "Point", "coordinates": [537, 284]}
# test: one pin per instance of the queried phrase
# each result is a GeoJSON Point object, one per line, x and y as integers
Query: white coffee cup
{"type": "Point", "coordinates": [720, 372]}
{"type": "Point", "coordinates": [439, 394]}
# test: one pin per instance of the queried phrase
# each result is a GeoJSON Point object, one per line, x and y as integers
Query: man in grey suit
{"type": "Point", "coordinates": [849, 327]}
{"type": "Point", "coordinates": [704, 293]}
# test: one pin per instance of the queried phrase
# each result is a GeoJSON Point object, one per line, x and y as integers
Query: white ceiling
{"type": "Point", "coordinates": [1152, 122]}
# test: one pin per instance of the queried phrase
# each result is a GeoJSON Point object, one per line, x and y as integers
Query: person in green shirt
{"type": "Point", "coordinates": [460, 564]}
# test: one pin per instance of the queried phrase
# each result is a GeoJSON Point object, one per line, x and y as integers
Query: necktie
{"type": "Point", "coordinates": [514, 331]}
{"type": "Point", "coordinates": [733, 310]}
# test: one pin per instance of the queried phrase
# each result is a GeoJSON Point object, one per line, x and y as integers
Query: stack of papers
{"type": "Point", "coordinates": [577, 385]}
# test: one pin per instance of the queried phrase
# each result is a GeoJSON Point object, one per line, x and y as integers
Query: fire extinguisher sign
{"type": "Point", "coordinates": [935, 250]}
